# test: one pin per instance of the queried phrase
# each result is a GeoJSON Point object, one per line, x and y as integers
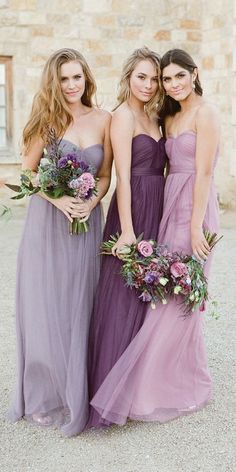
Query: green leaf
{"type": "Point", "coordinates": [19, 196]}
{"type": "Point", "coordinates": [15, 188]}
{"type": "Point", "coordinates": [55, 193]}
{"type": "Point", "coordinates": [6, 213]}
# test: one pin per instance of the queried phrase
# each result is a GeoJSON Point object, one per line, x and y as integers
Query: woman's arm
{"type": "Point", "coordinates": [122, 130]}
{"type": "Point", "coordinates": [104, 173]}
{"type": "Point", "coordinates": [30, 160]}
{"type": "Point", "coordinates": [208, 129]}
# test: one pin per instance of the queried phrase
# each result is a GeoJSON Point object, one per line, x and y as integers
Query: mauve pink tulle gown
{"type": "Point", "coordinates": [163, 373]}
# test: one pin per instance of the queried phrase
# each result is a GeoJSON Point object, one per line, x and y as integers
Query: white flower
{"type": "Point", "coordinates": [44, 162]}
{"type": "Point", "coordinates": [163, 281]}
{"type": "Point", "coordinates": [164, 301]}
{"type": "Point", "coordinates": [177, 289]}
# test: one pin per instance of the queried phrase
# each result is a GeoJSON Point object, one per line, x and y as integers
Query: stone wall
{"type": "Point", "coordinates": [106, 31]}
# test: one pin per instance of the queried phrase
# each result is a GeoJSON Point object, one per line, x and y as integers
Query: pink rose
{"type": "Point", "coordinates": [145, 248]}
{"type": "Point", "coordinates": [178, 269]}
{"type": "Point", "coordinates": [83, 190]}
{"type": "Point", "coordinates": [88, 179]}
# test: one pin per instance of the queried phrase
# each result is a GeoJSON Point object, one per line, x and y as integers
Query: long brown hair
{"type": "Point", "coordinates": [49, 108]}
{"type": "Point", "coordinates": [141, 54]}
{"type": "Point", "coordinates": [177, 56]}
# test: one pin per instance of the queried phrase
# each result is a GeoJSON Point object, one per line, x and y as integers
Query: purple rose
{"type": "Point", "coordinates": [149, 278]}
{"type": "Point", "coordinates": [178, 269]}
{"type": "Point", "coordinates": [69, 159]}
{"type": "Point", "coordinates": [145, 248]}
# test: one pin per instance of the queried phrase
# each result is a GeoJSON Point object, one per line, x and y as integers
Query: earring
{"type": "Point", "coordinates": [193, 85]}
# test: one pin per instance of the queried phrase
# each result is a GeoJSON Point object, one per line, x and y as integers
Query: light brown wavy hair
{"type": "Point", "coordinates": [141, 54]}
{"type": "Point", "coordinates": [49, 108]}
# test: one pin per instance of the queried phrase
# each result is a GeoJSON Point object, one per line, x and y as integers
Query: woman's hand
{"type": "Point", "coordinates": [68, 205]}
{"type": "Point", "coordinates": [124, 239]}
{"type": "Point", "coordinates": [83, 210]}
{"type": "Point", "coordinates": [200, 246]}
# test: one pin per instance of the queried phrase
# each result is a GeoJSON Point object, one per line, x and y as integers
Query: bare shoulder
{"type": "Point", "coordinates": [102, 114]}
{"type": "Point", "coordinates": [123, 115]}
{"type": "Point", "coordinates": [208, 113]}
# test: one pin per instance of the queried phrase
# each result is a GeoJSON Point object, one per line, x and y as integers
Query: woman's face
{"type": "Point", "coordinates": [177, 81]}
{"type": "Point", "coordinates": [72, 81]}
{"type": "Point", "coordinates": [144, 81]}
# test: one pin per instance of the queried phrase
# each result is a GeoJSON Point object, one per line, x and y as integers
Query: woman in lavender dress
{"type": "Point", "coordinates": [57, 273]}
{"type": "Point", "coordinates": [136, 207]}
{"type": "Point", "coordinates": [163, 373]}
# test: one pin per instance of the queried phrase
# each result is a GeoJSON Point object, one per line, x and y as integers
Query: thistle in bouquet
{"type": "Point", "coordinates": [188, 279]}
{"type": "Point", "coordinates": [145, 268]}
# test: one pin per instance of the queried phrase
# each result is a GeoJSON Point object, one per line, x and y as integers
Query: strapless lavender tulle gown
{"type": "Point", "coordinates": [118, 313]}
{"type": "Point", "coordinates": [163, 373]}
{"type": "Point", "coordinates": [57, 276]}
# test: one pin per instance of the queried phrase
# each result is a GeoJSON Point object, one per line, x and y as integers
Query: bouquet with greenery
{"type": "Point", "coordinates": [59, 175]}
{"type": "Point", "coordinates": [157, 274]}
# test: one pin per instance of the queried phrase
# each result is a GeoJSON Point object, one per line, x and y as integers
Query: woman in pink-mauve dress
{"type": "Point", "coordinates": [163, 373]}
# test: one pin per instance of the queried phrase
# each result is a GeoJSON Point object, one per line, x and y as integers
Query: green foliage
{"type": "Point", "coordinates": [6, 213]}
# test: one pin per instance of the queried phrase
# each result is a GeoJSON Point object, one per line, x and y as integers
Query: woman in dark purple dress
{"type": "Point", "coordinates": [136, 208]}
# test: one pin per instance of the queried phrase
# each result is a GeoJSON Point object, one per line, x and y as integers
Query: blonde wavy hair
{"type": "Point", "coordinates": [141, 54]}
{"type": "Point", "coordinates": [49, 108]}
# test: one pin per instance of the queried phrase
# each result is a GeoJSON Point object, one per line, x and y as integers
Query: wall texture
{"type": "Point", "coordinates": [106, 31]}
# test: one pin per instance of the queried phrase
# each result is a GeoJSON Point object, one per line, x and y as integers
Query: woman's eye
{"type": "Point", "coordinates": [166, 79]}
{"type": "Point", "coordinates": [77, 77]}
{"type": "Point", "coordinates": [180, 76]}
{"type": "Point", "coordinates": [141, 77]}
{"type": "Point", "coordinates": [63, 79]}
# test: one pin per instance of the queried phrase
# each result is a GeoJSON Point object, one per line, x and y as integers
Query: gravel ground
{"type": "Point", "coordinates": [200, 442]}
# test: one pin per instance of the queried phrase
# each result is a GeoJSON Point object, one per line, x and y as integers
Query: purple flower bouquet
{"type": "Point", "coordinates": [59, 175]}
{"type": "Point", "coordinates": [157, 274]}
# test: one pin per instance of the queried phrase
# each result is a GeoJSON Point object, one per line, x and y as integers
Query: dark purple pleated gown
{"type": "Point", "coordinates": [118, 313]}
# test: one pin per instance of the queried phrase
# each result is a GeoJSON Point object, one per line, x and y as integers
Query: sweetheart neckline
{"type": "Point", "coordinates": [149, 136]}
{"type": "Point", "coordinates": [78, 147]}
{"type": "Point", "coordinates": [101, 145]}
{"type": "Point", "coordinates": [171, 136]}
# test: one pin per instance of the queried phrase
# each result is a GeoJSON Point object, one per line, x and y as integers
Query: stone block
{"type": "Point", "coordinates": [28, 18]}
{"type": "Point", "coordinates": [208, 62]}
{"type": "Point", "coordinates": [194, 36]}
{"type": "Point", "coordinates": [131, 33]}
{"type": "Point", "coordinates": [42, 30]}
{"type": "Point", "coordinates": [131, 20]}
{"type": "Point", "coordinates": [178, 35]}
{"type": "Point", "coordinates": [8, 18]}
{"type": "Point", "coordinates": [162, 35]}
{"type": "Point", "coordinates": [93, 45]}
{"type": "Point", "coordinates": [23, 4]}
{"type": "Point", "coordinates": [95, 6]}
{"type": "Point", "coordinates": [57, 19]}
{"type": "Point", "coordinates": [104, 20]}
{"type": "Point", "coordinates": [103, 60]}
{"type": "Point", "coordinates": [190, 24]}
